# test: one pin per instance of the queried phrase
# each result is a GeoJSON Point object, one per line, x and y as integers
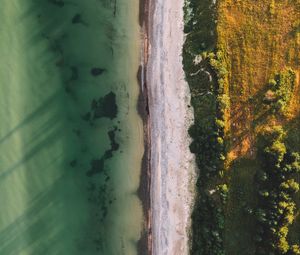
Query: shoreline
{"type": "Point", "coordinates": [144, 246]}
{"type": "Point", "coordinates": [173, 166]}
{"type": "Point", "coordinates": [166, 188]}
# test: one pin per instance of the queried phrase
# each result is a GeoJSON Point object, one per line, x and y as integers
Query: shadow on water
{"type": "Point", "coordinates": [65, 206]}
{"type": "Point", "coordinates": [38, 111]}
{"type": "Point", "coordinates": [28, 222]}
{"type": "Point", "coordinates": [31, 153]}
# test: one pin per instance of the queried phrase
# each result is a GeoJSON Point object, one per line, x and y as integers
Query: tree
{"type": "Point", "coordinates": [290, 186]}
{"type": "Point", "coordinates": [294, 250]}
{"type": "Point", "coordinates": [283, 245]}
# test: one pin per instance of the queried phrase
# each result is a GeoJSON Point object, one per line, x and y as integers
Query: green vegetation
{"type": "Point", "coordinates": [281, 91]}
{"type": "Point", "coordinates": [201, 67]}
{"type": "Point", "coordinates": [246, 128]}
{"type": "Point", "coordinates": [276, 186]}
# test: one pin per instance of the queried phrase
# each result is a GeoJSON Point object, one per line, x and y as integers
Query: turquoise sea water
{"type": "Point", "coordinates": [71, 140]}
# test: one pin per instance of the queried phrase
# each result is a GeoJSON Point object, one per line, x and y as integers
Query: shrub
{"type": "Point", "coordinates": [294, 250]}
{"type": "Point", "coordinates": [283, 86]}
{"type": "Point", "coordinates": [290, 186]}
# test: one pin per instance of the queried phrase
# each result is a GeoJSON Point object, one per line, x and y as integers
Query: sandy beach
{"type": "Point", "coordinates": [172, 164]}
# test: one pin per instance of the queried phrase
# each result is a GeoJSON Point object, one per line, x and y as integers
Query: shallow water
{"type": "Point", "coordinates": [71, 140]}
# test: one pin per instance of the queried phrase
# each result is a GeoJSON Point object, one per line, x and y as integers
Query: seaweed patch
{"type": "Point", "coordinates": [97, 165]}
{"type": "Point", "coordinates": [104, 107]}
{"type": "Point", "coordinates": [96, 71]}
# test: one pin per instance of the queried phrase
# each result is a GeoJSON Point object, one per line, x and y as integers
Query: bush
{"type": "Point", "coordinates": [294, 250]}
{"type": "Point", "coordinates": [290, 186]}
{"type": "Point", "coordinates": [283, 86]}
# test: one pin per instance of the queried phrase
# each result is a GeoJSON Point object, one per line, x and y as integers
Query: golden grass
{"type": "Point", "coordinates": [261, 38]}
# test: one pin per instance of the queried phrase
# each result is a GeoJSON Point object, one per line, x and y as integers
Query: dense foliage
{"type": "Point", "coordinates": [202, 68]}
{"type": "Point", "coordinates": [276, 187]}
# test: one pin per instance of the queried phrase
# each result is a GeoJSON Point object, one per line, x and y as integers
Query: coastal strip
{"type": "Point", "coordinates": [144, 191]}
{"type": "Point", "coordinates": [171, 163]}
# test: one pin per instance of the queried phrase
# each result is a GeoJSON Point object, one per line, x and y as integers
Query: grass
{"type": "Point", "coordinates": [240, 226]}
{"type": "Point", "coordinates": [257, 40]}
{"type": "Point", "coordinates": [260, 38]}
{"type": "Point", "coordinates": [259, 43]}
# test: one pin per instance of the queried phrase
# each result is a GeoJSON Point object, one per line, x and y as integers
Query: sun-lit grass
{"type": "Point", "coordinates": [261, 38]}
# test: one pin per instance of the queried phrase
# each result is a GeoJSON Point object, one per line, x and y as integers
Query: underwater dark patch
{"type": "Point", "coordinates": [104, 107]}
{"type": "Point", "coordinates": [96, 71]}
{"type": "Point", "coordinates": [59, 3]}
{"type": "Point", "coordinates": [76, 19]}
{"type": "Point", "coordinates": [97, 165]}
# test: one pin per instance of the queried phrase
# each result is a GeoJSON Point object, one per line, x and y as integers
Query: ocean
{"type": "Point", "coordinates": [71, 139]}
